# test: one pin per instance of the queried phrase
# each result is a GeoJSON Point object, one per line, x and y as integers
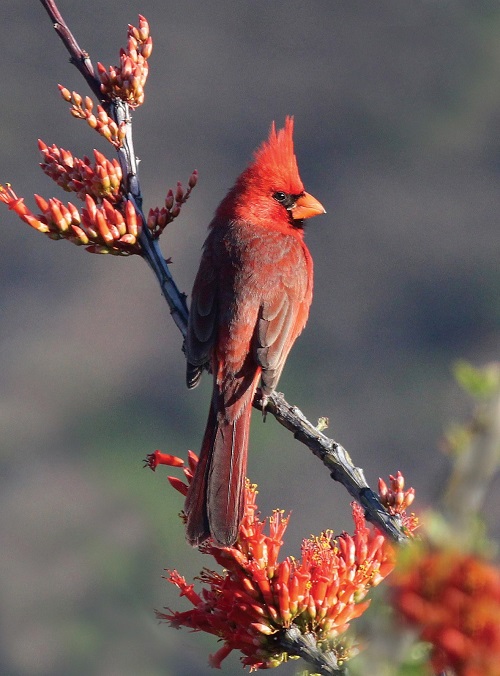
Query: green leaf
{"type": "Point", "coordinates": [481, 383]}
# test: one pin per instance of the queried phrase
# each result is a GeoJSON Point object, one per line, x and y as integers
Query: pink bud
{"type": "Point", "coordinates": [67, 158]}
{"type": "Point", "coordinates": [143, 27]}
{"type": "Point", "coordinates": [410, 497]}
{"type": "Point", "coordinates": [127, 67]}
{"type": "Point", "coordinates": [133, 31]}
{"type": "Point", "coordinates": [152, 218]}
{"type": "Point", "coordinates": [179, 193]}
{"type": "Point", "coordinates": [164, 218]}
{"type": "Point", "coordinates": [398, 482]}
{"type": "Point", "coordinates": [132, 45]}
{"type": "Point", "coordinates": [193, 179]}
{"type": "Point", "coordinates": [147, 48]}
{"type": "Point", "coordinates": [382, 489]}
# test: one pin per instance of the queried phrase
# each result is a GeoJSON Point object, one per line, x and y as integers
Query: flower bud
{"type": "Point", "coordinates": [193, 179]}
{"type": "Point", "coordinates": [74, 214]}
{"type": "Point", "coordinates": [143, 28]}
{"type": "Point", "coordinates": [147, 48]}
{"type": "Point", "coordinates": [80, 235]}
{"type": "Point", "coordinates": [56, 216]}
{"type": "Point", "coordinates": [65, 93]}
{"type": "Point", "coordinates": [131, 218]}
{"type": "Point", "coordinates": [42, 203]}
{"type": "Point", "coordinates": [103, 228]}
{"type": "Point", "coordinates": [179, 193]}
{"type": "Point", "coordinates": [127, 238]}
{"type": "Point", "coordinates": [169, 200]}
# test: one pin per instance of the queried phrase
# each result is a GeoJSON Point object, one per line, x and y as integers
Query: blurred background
{"type": "Point", "coordinates": [397, 113]}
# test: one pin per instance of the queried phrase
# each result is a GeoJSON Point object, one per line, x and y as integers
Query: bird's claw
{"type": "Point", "coordinates": [263, 404]}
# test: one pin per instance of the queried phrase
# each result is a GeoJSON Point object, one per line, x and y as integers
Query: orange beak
{"type": "Point", "coordinates": [306, 207]}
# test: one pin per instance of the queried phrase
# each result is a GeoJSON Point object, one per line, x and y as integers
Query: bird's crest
{"type": "Point", "coordinates": [275, 159]}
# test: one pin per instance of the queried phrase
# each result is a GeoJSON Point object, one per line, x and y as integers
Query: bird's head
{"type": "Point", "coordinates": [270, 190]}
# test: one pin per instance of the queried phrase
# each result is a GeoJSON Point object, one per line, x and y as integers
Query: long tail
{"type": "Point", "coordinates": [214, 503]}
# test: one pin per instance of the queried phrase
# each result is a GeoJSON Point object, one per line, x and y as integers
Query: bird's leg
{"type": "Point", "coordinates": [264, 398]}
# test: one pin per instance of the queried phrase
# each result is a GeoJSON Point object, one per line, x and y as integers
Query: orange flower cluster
{"type": "Point", "coordinates": [83, 108]}
{"type": "Point", "coordinates": [109, 223]}
{"type": "Point", "coordinates": [454, 600]}
{"type": "Point", "coordinates": [397, 500]}
{"type": "Point", "coordinates": [103, 180]}
{"type": "Point", "coordinates": [158, 219]}
{"type": "Point", "coordinates": [100, 227]}
{"type": "Point", "coordinates": [257, 597]}
{"type": "Point", "coordinates": [126, 81]}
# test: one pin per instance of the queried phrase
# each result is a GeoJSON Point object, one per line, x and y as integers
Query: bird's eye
{"type": "Point", "coordinates": [280, 197]}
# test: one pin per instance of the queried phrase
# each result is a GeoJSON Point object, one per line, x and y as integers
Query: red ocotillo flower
{"type": "Point", "coordinates": [258, 599]}
{"type": "Point", "coordinates": [453, 598]}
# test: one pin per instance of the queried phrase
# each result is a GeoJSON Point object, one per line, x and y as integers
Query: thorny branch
{"type": "Point", "coordinates": [305, 646]}
{"type": "Point", "coordinates": [78, 56]}
{"type": "Point", "coordinates": [332, 454]}
{"type": "Point", "coordinates": [120, 112]}
{"type": "Point", "coordinates": [337, 460]}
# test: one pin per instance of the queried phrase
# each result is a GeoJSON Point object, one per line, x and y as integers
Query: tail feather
{"type": "Point", "coordinates": [195, 507]}
{"type": "Point", "coordinates": [215, 500]}
{"type": "Point", "coordinates": [226, 478]}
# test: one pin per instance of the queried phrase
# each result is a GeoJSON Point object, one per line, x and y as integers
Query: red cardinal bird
{"type": "Point", "coordinates": [250, 301]}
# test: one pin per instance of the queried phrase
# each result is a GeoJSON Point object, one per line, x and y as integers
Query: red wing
{"type": "Point", "coordinates": [275, 333]}
{"type": "Point", "coordinates": [283, 313]}
{"type": "Point", "coordinates": [202, 324]}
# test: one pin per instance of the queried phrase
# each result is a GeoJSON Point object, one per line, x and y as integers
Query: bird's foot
{"type": "Point", "coordinates": [264, 398]}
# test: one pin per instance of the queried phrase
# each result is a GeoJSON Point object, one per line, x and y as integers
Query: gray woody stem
{"type": "Point", "coordinates": [332, 454]}
{"type": "Point", "coordinates": [305, 646]}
